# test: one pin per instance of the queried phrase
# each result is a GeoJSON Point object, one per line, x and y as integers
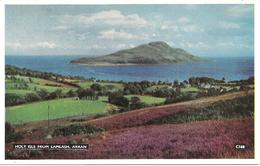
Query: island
{"type": "Point", "coordinates": [157, 52]}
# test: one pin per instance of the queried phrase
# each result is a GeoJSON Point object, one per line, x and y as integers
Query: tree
{"type": "Point", "coordinates": [192, 81]}
{"type": "Point", "coordinates": [90, 94]}
{"type": "Point", "coordinates": [186, 82]}
{"type": "Point", "coordinates": [250, 80]}
{"type": "Point", "coordinates": [178, 91]}
{"type": "Point", "coordinates": [58, 93]}
{"type": "Point", "coordinates": [43, 94]}
{"type": "Point", "coordinates": [71, 93]}
{"type": "Point", "coordinates": [182, 85]}
{"type": "Point", "coordinates": [30, 80]}
{"type": "Point", "coordinates": [10, 134]}
{"type": "Point", "coordinates": [13, 99]}
{"type": "Point", "coordinates": [176, 83]}
{"type": "Point", "coordinates": [118, 99]}
{"type": "Point", "coordinates": [87, 94]}
{"type": "Point", "coordinates": [135, 103]}
{"type": "Point", "coordinates": [132, 88]}
{"type": "Point", "coordinates": [96, 87]}
{"type": "Point", "coordinates": [31, 97]}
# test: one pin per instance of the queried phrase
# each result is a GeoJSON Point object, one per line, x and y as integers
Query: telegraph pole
{"type": "Point", "coordinates": [48, 116]}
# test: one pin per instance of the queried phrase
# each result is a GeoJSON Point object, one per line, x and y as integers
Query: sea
{"type": "Point", "coordinates": [231, 68]}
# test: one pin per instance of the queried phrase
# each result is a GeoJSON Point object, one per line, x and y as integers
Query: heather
{"type": "Point", "coordinates": [236, 108]}
{"type": "Point", "coordinates": [205, 140]}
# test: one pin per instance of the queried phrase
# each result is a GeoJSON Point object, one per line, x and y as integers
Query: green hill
{"type": "Point", "coordinates": [151, 53]}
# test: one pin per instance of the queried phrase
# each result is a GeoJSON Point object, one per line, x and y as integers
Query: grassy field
{"type": "Point", "coordinates": [19, 92]}
{"type": "Point", "coordinates": [156, 87]}
{"type": "Point", "coordinates": [34, 85]}
{"type": "Point", "coordinates": [85, 84]}
{"type": "Point", "coordinates": [112, 86]}
{"type": "Point", "coordinates": [59, 108]}
{"type": "Point", "coordinates": [148, 99]}
{"type": "Point", "coordinates": [189, 89]}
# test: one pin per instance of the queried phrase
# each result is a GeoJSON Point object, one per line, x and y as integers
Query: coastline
{"type": "Point", "coordinates": [109, 64]}
{"type": "Point", "coordinates": [128, 64]}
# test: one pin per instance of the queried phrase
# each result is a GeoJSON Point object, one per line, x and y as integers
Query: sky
{"type": "Point", "coordinates": [203, 30]}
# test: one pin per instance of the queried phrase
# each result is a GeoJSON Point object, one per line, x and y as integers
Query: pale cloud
{"type": "Point", "coordinates": [78, 35]}
{"type": "Point", "coordinates": [123, 46]}
{"type": "Point", "coordinates": [225, 44]}
{"type": "Point", "coordinates": [214, 45]}
{"type": "Point", "coordinates": [183, 28]}
{"type": "Point", "coordinates": [113, 35]}
{"type": "Point", "coordinates": [15, 45]}
{"type": "Point", "coordinates": [232, 44]}
{"type": "Point", "coordinates": [228, 25]}
{"type": "Point", "coordinates": [60, 27]}
{"type": "Point", "coordinates": [45, 45]}
{"type": "Point", "coordinates": [192, 28]}
{"type": "Point", "coordinates": [18, 45]}
{"type": "Point", "coordinates": [82, 36]}
{"type": "Point", "coordinates": [110, 17]}
{"type": "Point", "coordinates": [182, 24]}
{"type": "Point", "coordinates": [107, 47]}
{"type": "Point", "coordinates": [164, 27]}
{"type": "Point", "coordinates": [238, 10]}
{"type": "Point", "coordinates": [187, 44]}
{"type": "Point", "coordinates": [183, 20]}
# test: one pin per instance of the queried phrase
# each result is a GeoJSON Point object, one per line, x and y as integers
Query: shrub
{"type": "Point", "coordinates": [31, 97]}
{"type": "Point", "coordinates": [118, 99]}
{"type": "Point", "coordinates": [13, 99]}
{"type": "Point", "coordinates": [76, 129]}
{"type": "Point", "coordinates": [88, 94]}
{"type": "Point", "coordinates": [96, 87]}
{"type": "Point", "coordinates": [43, 94]}
{"type": "Point", "coordinates": [183, 97]}
{"type": "Point", "coordinates": [10, 134]}
{"type": "Point", "coordinates": [135, 103]}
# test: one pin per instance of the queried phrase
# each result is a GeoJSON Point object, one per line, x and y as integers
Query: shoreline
{"type": "Point", "coordinates": [126, 64]}
{"type": "Point", "coordinates": [105, 64]}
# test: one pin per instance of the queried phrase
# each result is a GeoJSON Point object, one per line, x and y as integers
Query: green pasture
{"type": "Point", "coordinates": [37, 84]}
{"type": "Point", "coordinates": [148, 99]}
{"type": "Point", "coordinates": [189, 89]}
{"type": "Point", "coordinates": [59, 108]}
{"type": "Point", "coordinates": [109, 86]}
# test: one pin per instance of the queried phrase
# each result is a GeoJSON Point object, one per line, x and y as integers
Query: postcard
{"type": "Point", "coordinates": [129, 81]}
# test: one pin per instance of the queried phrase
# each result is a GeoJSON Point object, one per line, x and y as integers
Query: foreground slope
{"type": "Point", "coordinates": [142, 116]}
{"type": "Point", "coordinates": [128, 135]}
{"type": "Point", "coordinates": [205, 139]}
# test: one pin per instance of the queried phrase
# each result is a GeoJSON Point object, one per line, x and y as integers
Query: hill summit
{"type": "Point", "coordinates": [152, 53]}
